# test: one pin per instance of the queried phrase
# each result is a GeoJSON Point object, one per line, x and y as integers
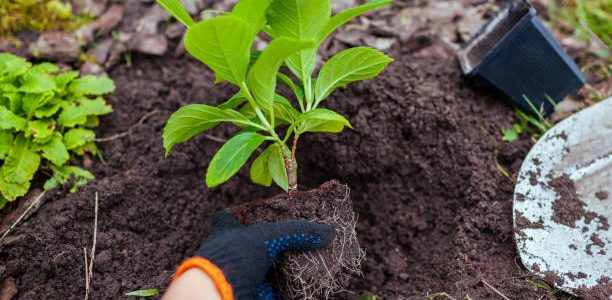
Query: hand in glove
{"type": "Point", "coordinates": [237, 257]}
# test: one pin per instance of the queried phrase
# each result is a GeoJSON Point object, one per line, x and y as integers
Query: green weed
{"type": "Point", "coordinates": [46, 118]}
{"type": "Point", "coordinates": [534, 124]}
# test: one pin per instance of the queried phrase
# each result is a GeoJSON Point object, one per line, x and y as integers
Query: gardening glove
{"type": "Point", "coordinates": [237, 257]}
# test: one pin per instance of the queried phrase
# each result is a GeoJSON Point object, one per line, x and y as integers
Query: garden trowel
{"type": "Point", "coordinates": [563, 204]}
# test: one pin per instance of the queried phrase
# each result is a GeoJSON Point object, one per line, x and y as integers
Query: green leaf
{"type": "Point", "coordinates": [233, 102]}
{"type": "Point", "coordinates": [91, 85]}
{"type": "Point", "coordinates": [297, 90]}
{"type": "Point", "coordinates": [76, 113]}
{"type": "Point", "coordinates": [509, 135]}
{"type": "Point", "coordinates": [260, 174]}
{"type": "Point", "coordinates": [223, 44]}
{"type": "Point", "coordinates": [15, 102]}
{"type": "Point", "coordinates": [143, 293]}
{"type": "Point", "coordinates": [321, 120]}
{"type": "Point", "coordinates": [51, 183]}
{"type": "Point", "coordinates": [276, 166]}
{"type": "Point", "coordinates": [78, 137]}
{"type": "Point", "coordinates": [21, 163]}
{"type": "Point", "coordinates": [44, 67]}
{"type": "Point", "coordinates": [33, 82]}
{"type": "Point", "coordinates": [8, 88]}
{"type": "Point", "coordinates": [31, 102]}
{"type": "Point", "coordinates": [55, 151]}
{"type": "Point", "coordinates": [262, 76]}
{"type": "Point", "coordinates": [6, 143]}
{"type": "Point", "coordinates": [62, 80]}
{"type": "Point", "coordinates": [302, 20]}
{"type": "Point", "coordinates": [283, 111]}
{"type": "Point", "coordinates": [176, 9]}
{"type": "Point", "coordinates": [192, 119]}
{"type": "Point", "coordinates": [3, 201]}
{"type": "Point", "coordinates": [62, 174]}
{"type": "Point", "coordinates": [231, 157]}
{"type": "Point", "coordinates": [13, 65]}
{"type": "Point", "coordinates": [40, 130]}
{"type": "Point", "coordinates": [11, 190]}
{"type": "Point", "coordinates": [347, 15]}
{"type": "Point", "coordinates": [348, 66]}
{"type": "Point", "coordinates": [48, 109]}
{"type": "Point", "coordinates": [369, 297]}
{"type": "Point", "coordinates": [10, 120]}
{"type": "Point", "coordinates": [252, 12]}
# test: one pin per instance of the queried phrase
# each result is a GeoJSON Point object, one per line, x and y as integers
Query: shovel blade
{"type": "Point", "coordinates": [563, 204]}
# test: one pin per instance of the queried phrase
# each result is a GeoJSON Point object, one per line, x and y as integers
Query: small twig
{"type": "Point", "coordinates": [93, 247]}
{"type": "Point", "coordinates": [494, 289]}
{"type": "Point", "coordinates": [215, 139]}
{"type": "Point", "coordinates": [34, 203]}
{"type": "Point", "coordinates": [129, 131]}
{"type": "Point", "coordinates": [86, 273]}
{"type": "Point", "coordinates": [89, 267]}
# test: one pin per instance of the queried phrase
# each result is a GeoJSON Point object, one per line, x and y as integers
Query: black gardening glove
{"type": "Point", "coordinates": [245, 253]}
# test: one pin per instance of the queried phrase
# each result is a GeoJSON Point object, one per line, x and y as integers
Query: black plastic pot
{"type": "Point", "coordinates": [519, 56]}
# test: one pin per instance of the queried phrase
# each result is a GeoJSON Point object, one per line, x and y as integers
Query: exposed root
{"type": "Point", "coordinates": [23, 215]}
{"type": "Point", "coordinates": [490, 287]}
{"type": "Point", "coordinates": [129, 131]}
{"type": "Point", "coordinates": [89, 267]}
{"type": "Point", "coordinates": [306, 275]}
{"type": "Point", "coordinates": [86, 271]}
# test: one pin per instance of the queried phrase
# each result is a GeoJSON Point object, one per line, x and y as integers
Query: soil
{"type": "Point", "coordinates": [312, 275]}
{"type": "Point", "coordinates": [602, 195]}
{"type": "Point", "coordinates": [568, 208]}
{"type": "Point", "coordinates": [435, 213]}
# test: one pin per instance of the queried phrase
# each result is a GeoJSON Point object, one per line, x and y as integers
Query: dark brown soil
{"type": "Point", "coordinates": [304, 275]}
{"type": "Point", "coordinates": [568, 208]}
{"type": "Point", "coordinates": [435, 213]}
{"type": "Point", "coordinates": [602, 195]}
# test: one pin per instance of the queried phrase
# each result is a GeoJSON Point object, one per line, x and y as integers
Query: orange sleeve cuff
{"type": "Point", "coordinates": [215, 274]}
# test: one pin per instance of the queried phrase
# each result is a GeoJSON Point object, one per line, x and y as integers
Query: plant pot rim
{"type": "Point", "coordinates": [470, 66]}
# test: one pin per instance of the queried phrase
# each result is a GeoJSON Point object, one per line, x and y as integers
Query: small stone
{"type": "Point", "coordinates": [225, 5]}
{"type": "Point", "coordinates": [101, 50]}
{"type": "Point", "coordinates": [351, 37]}
{"type": "Point", "coordinates": [148, 24]}
{"type": "Point", "coordinates": [93, 8]}
{"type": "Point", "coordinates": [7, 288]}
{"type": "Point", "coordinates": [109, 20]}
{"type": "Point", "coordinates": [175, 30]}
{"type": "Point", "coordinates": [380, 43]}
{"type": "Point", "coordinates": [403, 276]}
{"type": "Point", "coordinates": [155, 45]}
{"type": "Point", "coordinates": [56, 46]}
{"type": "Point", "coordinates": [85, 34]}
{"type": "Point", "coordinates": [117, 49]}
{"type": "Point", "coordinates": [341, 5]}
{"type": "Point", "coordinates": [89, 68]}
{"type": "Point", "coordinates": [193, 7]}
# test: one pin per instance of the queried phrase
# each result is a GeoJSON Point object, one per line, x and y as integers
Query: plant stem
{"type": "Point", "coordinates": [245, 90]}
{"type": "Point", "coordinates": [307, 91]}
{"type": "Point", "coordinates": [289, 166]}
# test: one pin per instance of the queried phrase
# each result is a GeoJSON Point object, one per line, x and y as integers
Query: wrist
{"type": "Point", "coordinates": [216, 275]}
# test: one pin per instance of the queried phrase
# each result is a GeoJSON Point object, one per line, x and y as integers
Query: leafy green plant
{"type": "Point", "coordinates": [46, 118]}
{"type": "Point", "coordinates": [224, 43]}
{"type": "Point", "coordinates": [535, 124]}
